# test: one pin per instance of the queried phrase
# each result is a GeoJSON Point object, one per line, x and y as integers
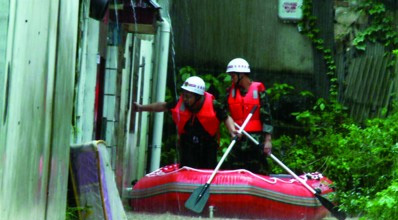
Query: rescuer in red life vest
{"type": "Point", "coordinates": [240, 99]}
{"type": "Point", "coordinates": [197, 115]}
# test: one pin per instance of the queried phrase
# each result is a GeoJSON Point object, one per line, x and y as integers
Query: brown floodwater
{"type": "Point", "coordinates": [168, 216]}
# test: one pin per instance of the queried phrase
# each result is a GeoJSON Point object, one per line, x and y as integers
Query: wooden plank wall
{"type": "Point", "coordinates": [368, 85]}
{"type": "Point", "coordinates": [35, 123]}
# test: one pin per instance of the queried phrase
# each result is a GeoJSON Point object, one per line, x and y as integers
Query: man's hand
{"type": "Point", "coordinates": [137, 107]}
{"type": "Point", "coordinates": [234, 133]}
{"type": "Point", "coordinates": [229, 123]}
{"type": "Point", "coordinates": [267, 144]}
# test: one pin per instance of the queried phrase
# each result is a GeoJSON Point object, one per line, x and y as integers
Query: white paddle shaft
{"type": "Point", "coordinates": [279, 162]}
{"type": "Point", "coordinates": [231, 145]}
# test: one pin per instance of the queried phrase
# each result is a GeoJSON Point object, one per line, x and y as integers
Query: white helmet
{"type": "Point", "coordinates": [238, 65]}
{"type": "Point", "coordinates": [194, 84]}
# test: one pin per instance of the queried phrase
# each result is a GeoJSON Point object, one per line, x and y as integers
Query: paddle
{"type": "Point", "coordinates": [198, 199]}
{"type": "Point", "coordinates": [325, 202]}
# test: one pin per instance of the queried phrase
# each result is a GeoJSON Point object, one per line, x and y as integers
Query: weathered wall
{"type": "Point", "coordinates": [4, 14]}
{"type": "Point", "coordinates": [367, 83]}
{"type": "Point", "coordinates": [36, 122]}
{"type": "Point", "coordinates": [208, 34]}
{"type": "Point", "coordinates": [62, 108]}
{"type": "Point", "coordinates": [87, 75]}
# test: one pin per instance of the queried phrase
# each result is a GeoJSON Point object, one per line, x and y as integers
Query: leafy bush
{"type": "Point", "coordinates": [361, 160]}
{"type": "Point", "coordinates": [384, 205]}
{"type": "Point", "coordinates": [72, 213]}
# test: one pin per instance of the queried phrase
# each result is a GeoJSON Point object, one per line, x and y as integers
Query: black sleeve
{"type": "Point", "coordinates": [171, 104]}
{"type": "Point", "coordinates": [224, 101]}
{"type": "Point", "coordinates": [221, 112]}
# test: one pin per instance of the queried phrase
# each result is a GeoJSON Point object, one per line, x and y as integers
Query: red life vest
{"type": "Point", "coordinates": [206, 115]}
{"type": "Point", "coordinates": [240, 106]}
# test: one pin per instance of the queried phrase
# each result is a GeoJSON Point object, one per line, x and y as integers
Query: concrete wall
{"type": "Point", "coordinates": [208, 34]}
{"type": "Point", "coordinates": [36, 119]}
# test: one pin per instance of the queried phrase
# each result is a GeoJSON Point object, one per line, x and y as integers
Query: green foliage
{"type": "Point", "coordinates": [384, 205]}
{"type": "Point", "coordinates": [169, 150]}
{"type": "Point", "coordinates": [308, 26]}
{"type": "Point", "coordinates": [366, 165]}
{"type": "Point", "coordinates": [279, 90]}
{"type": "Point", "coordinates": [361, 160]}
{"type": "Point", "coordinates": [72, 213]}
{"type": "Point", "coordinates": [380, 28]}
{"type": "Point", "coordinates": [285, 99]}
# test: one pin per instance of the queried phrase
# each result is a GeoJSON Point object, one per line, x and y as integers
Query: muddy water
{"type": "Point", "coordinates": [168, 216]}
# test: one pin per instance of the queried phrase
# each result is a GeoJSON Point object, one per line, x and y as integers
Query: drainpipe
{"type": "Point", "coordinates": [163, 56]}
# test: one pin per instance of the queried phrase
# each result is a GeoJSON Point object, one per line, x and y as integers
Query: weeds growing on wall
{"type": "Point", "coordinates": [360, 159]}
{"type": "Point", "coordinates": [308, 27]}
{"type": "Point", "coordinates": [380, 29]}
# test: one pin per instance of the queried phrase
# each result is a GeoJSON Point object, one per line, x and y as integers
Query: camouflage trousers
{"type": "Point", "coordinates": [247, 155]}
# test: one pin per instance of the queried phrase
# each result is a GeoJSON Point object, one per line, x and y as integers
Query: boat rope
{"type": "Point", "coordinates": [170, 169]}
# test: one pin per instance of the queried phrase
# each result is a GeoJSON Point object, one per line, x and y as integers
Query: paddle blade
{"type": "Point", "coordinates": [331, 207]}
{"type": "Point", "coordinates": [198, 199]}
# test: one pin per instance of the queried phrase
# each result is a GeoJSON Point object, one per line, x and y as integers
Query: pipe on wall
{"type": "Point", "coordinates": [163, 56]}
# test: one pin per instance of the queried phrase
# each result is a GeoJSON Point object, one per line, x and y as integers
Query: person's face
{"type": "Point", "coordinates": [188, 98]}
{"type": "Point", "coordinates": [234, 77]}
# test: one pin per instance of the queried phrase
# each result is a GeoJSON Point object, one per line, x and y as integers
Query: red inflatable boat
{"type": "Point", "coordinates": [233, 194]}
